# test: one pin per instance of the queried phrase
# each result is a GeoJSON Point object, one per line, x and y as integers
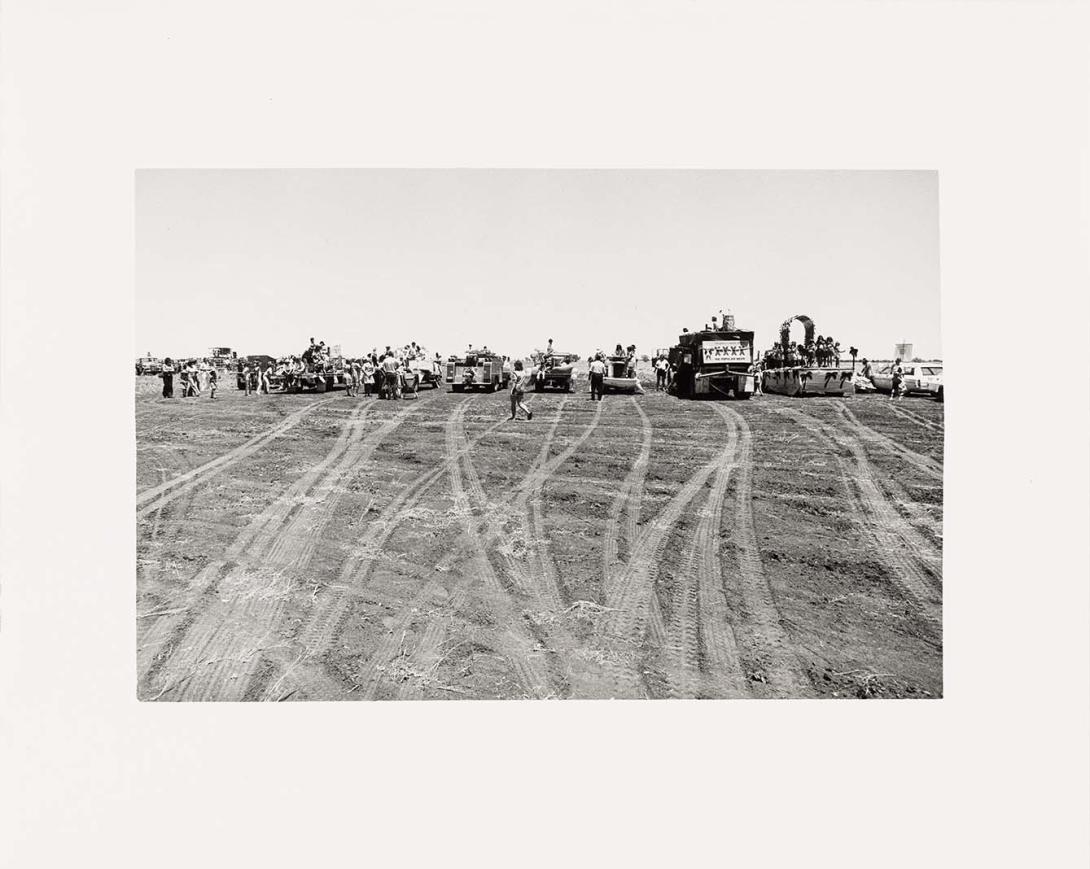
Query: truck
{"type": "Point", "coordinates": [552, 369]}
{"type": "Point", "coordinates": [712, 363]}
{"type": "Point", "coordinates": [476, 369]}
{"type": "Point", "coordinates": [149, 364]}
{"type": "Point", "coordinates": [223, 359]}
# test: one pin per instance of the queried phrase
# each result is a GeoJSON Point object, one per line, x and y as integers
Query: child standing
{"type": "Point", "coordinates": [211, 382]}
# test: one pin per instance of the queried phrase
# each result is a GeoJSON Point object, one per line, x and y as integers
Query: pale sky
{"type": "Point", "coordinates": [261, 260]}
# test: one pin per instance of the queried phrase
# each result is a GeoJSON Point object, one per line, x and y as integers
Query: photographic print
{"type": "Point", "coordinates": [442, 434]}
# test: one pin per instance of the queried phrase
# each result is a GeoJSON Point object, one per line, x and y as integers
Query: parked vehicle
{"type": "Point", "coordinates": [477, 369]}
{"type": "Point", "coordinates": [428, 372]}
{"type": "Point", "coordinates": [804, 370]}
{"type": "Point", "coordinates": [918, 377]}
{"type": "Point", "coordinates": [552, 370]}
{"type": "Point", "coordinates": [149, 365]}
{"type": "Point", "coordinates": [713, 363]}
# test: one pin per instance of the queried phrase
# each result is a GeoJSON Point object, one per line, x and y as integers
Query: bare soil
{"type": "Point", "coordinates": [322, 547]}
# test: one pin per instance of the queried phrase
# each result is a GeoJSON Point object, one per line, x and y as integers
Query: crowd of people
{"type": "Point", "coordinates": [387, 372]}
{"type": "Point", "coordinates": [821, 352]}
{"type": "Point", "coordinates": [194, 377]}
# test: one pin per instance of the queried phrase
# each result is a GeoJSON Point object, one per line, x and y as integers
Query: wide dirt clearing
{"type": "Point", "coordinates": [322, 547]}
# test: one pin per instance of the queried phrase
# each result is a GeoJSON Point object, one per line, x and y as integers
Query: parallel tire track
{"type": "Point", "coordinates": [700, 615]}
{"type": "Point", "coordinates": [511, 639]}
{"type": "Point", "coordinates": [225, 633]}
{"type": "Point", "coordinates": [921, 463]}
{"type": "Point", "coordinates": [762, 631]}
{"type": "Point", "coordinates": [539, 582]}
{"type": "Point", "coordinates": [633, 589]}
{"type": "Point", "coordinates": [330, 608]}
{"type": "Point", "coordinates": [154, 498]}
{"type": "Point", "coordinates": [909, 415]}
{"type": "Point", "coordinates": [426, 656]}
{"type": "Point", "coordinates": [910, 559]}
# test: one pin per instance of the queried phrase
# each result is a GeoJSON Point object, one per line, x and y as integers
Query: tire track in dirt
{"type": "Point", "coordinates": [511, 639]}
{"type": "Point", "coordinates": [909, 415]}
{"type": "Point", "coordinates": [330, 608]}
{"type": "Point", "coordinates": [912, 562]}
{"type": "Point", "coordinates": [256, 573]}
{"type": "Point", "coordinates": [147, 577]}
{"type": "Point", "coordinates": [630, 603]}
{"type": "Point", "coordinates": [153, 498]}
{"type": "Point", "coordinates": [761, 633]}
{"type": "Point", "coordinates": [426, 657]}
{"type": "Point", "coordinates": [485, 534]}
{"type": "Point", "coordinates": [926, 465]}
{"type": "Point", "coordinates": [628, 499]}
{"type": "Point", "coordinates": [700, 619]}
{"type": "Point", "coordinates": [284, 563]}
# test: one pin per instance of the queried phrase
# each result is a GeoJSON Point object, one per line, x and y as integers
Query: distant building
{"type": "Point", "coordinates": [902, 351]}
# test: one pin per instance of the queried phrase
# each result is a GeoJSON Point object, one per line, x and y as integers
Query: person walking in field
{"type": "Point", "coordinates": [194, 389]}
{"type": "Point", "coordinates": [168, 378]}
{"type": "Point", "coordinates": [263, 382]}
{"type": "Point", "coordinates": [518, 390]}
{"type": "Point", "coordinates": [597, 376]}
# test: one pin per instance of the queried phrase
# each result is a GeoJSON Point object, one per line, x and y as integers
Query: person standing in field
{"type": "Point", "coordinates": [518, 390]}
{"type": "Point", "coordinates": [898, 379]}
{"type": "Point", "coordinates": [755, 371]}
{"type": "Point", "coordinates": [349, 381]}
{"type": "Point", "coordinates": [661, 367]}
{"type": "Point", "coordinates": [212, 383]}
{"type": "Point", "coordinates": [597, 376]}
{"type": "Point", "coordinates": [263, 379]}
{"type": "Point", "coordinates": [246, 372]}
{"type": "Point", "coordinates": [368, 370]}
{"type": "Point", "coordinates": [209, 369]}
{"type": "Point", "coordinates": [168, 378]}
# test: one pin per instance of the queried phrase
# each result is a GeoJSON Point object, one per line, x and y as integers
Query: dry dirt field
{"type": "Point", "coordinates": [321, 547]}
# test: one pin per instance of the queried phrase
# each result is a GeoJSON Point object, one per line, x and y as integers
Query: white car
{"type": "Point", "coordinates": [925, 377]}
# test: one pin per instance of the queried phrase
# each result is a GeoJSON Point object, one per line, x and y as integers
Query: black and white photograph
{"type": "Point", "coordinates": [518, 434]}
{"type": "Point", "coordinates": [496, 433]}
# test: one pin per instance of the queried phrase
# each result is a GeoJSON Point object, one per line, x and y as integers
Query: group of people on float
{"type": "Point", "coordinates": [822, 352]}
